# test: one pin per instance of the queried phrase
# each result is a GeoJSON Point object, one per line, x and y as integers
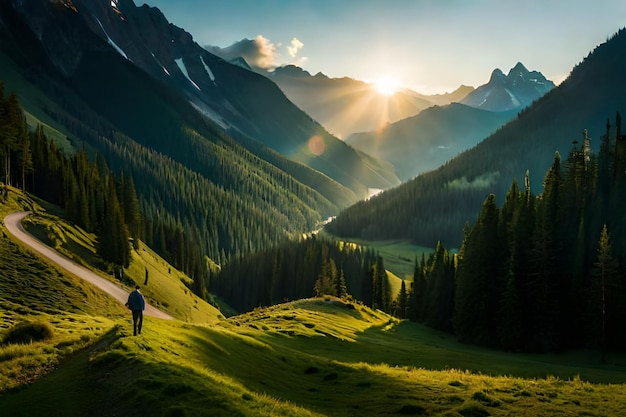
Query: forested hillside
{"type": "Point", "coordinates": [184, 215]}
{"type": "Point", "coordinates": [542, 272]}
{"type": "Point", "coordinates": [428, 140]}
{"type": "Point", "coordinates": [201, 194]}
{"type": "Point", "coordinates": [312, 266]}
{"type": "Point", "coordinates": [436, 205]}
{"type": "Point", "coordinates": [546, 272]}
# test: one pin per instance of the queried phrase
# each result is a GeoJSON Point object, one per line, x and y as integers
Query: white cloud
{"type": "Point", "coordinates": [294, 47]}
{"type": "Point", "coordinates": [261, 53]}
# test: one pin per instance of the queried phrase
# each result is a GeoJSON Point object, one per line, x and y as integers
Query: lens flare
{"type": "Point", "coordinates": [317, 146]}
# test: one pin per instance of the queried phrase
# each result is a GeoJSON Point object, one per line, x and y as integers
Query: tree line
{"type": "Point", "coordinates": [90, 194]}
{"type": "Point", "coordinates": [539, 273]}
{"type": "Point", "coordinates": [545, 273]}
{"type": "Point", "coordinates": [202, 197]}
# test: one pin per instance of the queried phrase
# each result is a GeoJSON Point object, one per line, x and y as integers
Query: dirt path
{"type": "Point", "coordinates": [13, 223]}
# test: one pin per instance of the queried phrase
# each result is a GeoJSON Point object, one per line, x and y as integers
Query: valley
{"type": "Point", "coordinates": [320, 356]}
{"type": "Point", "coordinates": [307, 245]}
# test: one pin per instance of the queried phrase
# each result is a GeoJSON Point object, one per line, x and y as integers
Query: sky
{"type": "Point", "coordinates": [430, 46]}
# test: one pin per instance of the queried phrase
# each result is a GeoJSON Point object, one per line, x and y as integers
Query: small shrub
{"type": "Point", "coordinates": [331, 377]}
{"type": "Point", "coordinates": [480, 396]}
{"type": "Point", "coordinates": [411, 409]}
{"type": "Point", "coordinates": [28, 332]}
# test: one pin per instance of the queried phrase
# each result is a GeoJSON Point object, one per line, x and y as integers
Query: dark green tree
{"type": "Point", "coordinates": [479, 284]}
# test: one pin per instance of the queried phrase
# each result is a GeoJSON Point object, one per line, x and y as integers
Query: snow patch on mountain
{"type": "Point", "coordinates": [206, 111]}
{"type": "Point", "coordinates": [161, 65]}
{"type": "Point", "coordinates": [110, 41]}
{"type": "Point", "coordinates": [183, 69]}
{"type": "Point", "coordinates": [208, 70]}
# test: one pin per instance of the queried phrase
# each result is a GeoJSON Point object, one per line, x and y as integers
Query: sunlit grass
{"type": "Point", "coordinates": [316, 357]}
{"type": "Point", "coordinates": [160, 282]}
{"type": "Point", "coordinates": [22, 363]}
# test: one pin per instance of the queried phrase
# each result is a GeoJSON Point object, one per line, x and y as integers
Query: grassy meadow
{"type": "Point", "coordinates": [314, 357]}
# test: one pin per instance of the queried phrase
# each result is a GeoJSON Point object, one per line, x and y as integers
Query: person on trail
{"type": "Point", "coordinates": [136, 304]}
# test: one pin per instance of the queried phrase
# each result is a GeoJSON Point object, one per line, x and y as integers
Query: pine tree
{"type": "Point", "coordinates": [439, 297]}
{"type": "Point", "coordinates": [479, 279]}
{"type": "Point", "coordinates": [13, 134]}
{"type": "Point", "coordinates": [603, 301]}
{"type": "Point", "coordinates": [546, 283]}
{"type": "Point", "coordinates": [341, 287]}
{"type": "Point", "coordinates": [402, 302]}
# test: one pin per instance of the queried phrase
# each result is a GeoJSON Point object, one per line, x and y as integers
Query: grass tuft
{"type": "Point", "coordinates": [28, 332]}
{"type": "Point", "coordinates": [474, 410]}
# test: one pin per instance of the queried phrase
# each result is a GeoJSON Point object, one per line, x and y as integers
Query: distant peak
{"type": "Point", "coordinates": [496, 75]}
{"type": "Point", "coordinates": [519, 68]}
{"type": "Point", "coordinates": [291, 71]}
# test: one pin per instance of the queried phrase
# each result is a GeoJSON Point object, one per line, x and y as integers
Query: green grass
{"type": "Point", "coordinates": [317, 357]}
{"type": "Point", "coordinates": [165, 288]}
{"type": "Point", "coordinates": [399, 255]}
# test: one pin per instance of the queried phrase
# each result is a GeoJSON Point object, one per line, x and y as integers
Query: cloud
{"type": "Point", "coordinates": [294, 47]}
{"type": "Point", "coordinates": [485, 180]}
{"type": "Point", "coordinates": [260, 53]}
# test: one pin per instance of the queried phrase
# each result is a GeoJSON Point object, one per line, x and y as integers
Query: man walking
{"type": "Point", "coordinates": [136, 304]}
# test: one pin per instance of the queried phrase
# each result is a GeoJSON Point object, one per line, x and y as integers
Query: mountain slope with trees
{"type": "Point", "coordinates": [436, 205]}
{"type": "Point", "coordinates": [201, 193]}
{"type": "Point", "coordinates": [426, 141]}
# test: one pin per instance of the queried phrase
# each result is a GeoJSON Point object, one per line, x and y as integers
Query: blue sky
{"type": "Point", "coordinates": [428, 45]}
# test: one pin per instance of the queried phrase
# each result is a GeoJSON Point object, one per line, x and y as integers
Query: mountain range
{"type": "Point", "coordinates": [427, 140]}
{"type": "Point", "coordinates": [436, 205]}
{"type": "Point", "coordinates": [246, 106]}
{"type": "Point", "coordinates": [345, 105]}
{"type": "Point", "coordinates": [424, 142]}
{"type": "Point", "coordinates": [214, 149]}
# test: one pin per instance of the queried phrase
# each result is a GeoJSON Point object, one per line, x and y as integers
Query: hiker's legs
{"type": "Point", "coordinates": [137, 321]}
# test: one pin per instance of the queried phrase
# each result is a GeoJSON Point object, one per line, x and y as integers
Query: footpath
{"type": "Point", "coordinates": [13, 222]}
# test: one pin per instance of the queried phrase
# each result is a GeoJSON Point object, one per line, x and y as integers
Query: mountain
{"type": "Point", "coordinates": [345, 105]}
{"type": "Point", "coordinates": [198, 178]}
{"type": "Point", "coordinates": [424, 142]}
{"type": "Point", "coordinates": [513, 91]}
{"type": "Point", "coordinates": [435, 206]}
{"type": "Point", "coordinates": [247, 106]}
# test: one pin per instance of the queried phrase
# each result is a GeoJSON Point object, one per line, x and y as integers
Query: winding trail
{"type": "Point", "coordinates": [13, 223]}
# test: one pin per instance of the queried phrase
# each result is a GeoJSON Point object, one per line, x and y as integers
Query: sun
{"type": "Point", "coordinates": [387, 85]}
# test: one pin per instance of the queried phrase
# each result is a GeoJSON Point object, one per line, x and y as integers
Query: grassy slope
{"type": "Point", "coordinates": [165, 288]}
{"type": "Point", "coordinates": [309, 357]}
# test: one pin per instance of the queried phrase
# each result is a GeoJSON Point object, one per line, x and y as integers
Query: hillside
{"type": "Point", "coordinates": [270, 361]}
{"type": "Point", "coordinates": [184, 165]}
{"type": "Point", "coordinates": [246, 105]}
{"type": "Point", "coordinates": [355, 359]}
{"type": "Point", "coordinates": [426, 141]}
{"type": "Point", "coordinates": [436, 205]}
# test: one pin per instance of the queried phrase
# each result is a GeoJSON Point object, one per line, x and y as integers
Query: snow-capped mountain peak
{"type": "Point", "coordinates": [516, 90]}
